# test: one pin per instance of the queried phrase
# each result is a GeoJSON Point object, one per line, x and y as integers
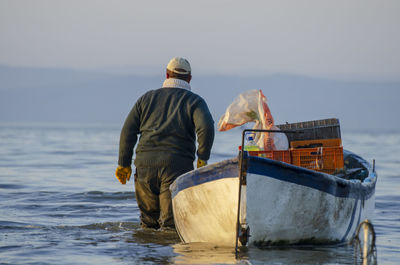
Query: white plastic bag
{"type": "Point", "coordinates": [251, 106]}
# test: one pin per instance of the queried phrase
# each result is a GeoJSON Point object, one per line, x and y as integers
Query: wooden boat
{"type": "Point", "coordinates": [277, 202]}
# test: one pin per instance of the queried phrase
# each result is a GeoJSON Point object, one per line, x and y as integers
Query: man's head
{"type": "Point", "coordinates": [179, 68]}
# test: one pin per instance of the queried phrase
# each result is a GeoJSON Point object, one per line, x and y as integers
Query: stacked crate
{"type": "Point", "coordinates": [318, 146]}
{"type": "Point", "coordinates": [278, 155]}
{"type": "Point", "coordinates": [325, 155]}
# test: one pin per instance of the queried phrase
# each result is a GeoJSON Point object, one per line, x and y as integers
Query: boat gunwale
{"type": "Point", "coordinates": [324, 182]}
{"type": "Point", "coordinates": [204, 174]}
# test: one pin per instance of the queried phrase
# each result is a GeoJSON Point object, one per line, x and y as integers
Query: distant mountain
{"type": "Point", "coordinates": [64, 95]}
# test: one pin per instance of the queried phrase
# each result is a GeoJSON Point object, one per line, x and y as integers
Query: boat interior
{"type": "Point", "coordinates": [321, 140]}
{"type": "Point", "coordinates": [355, 168]}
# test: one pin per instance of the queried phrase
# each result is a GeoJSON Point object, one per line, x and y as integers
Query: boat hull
{"type": "Point", "coordinates": [300, 211]}
{"type": "Point", "coordinates": [205, 204]}
{"type": "Point", "coordinates": [280, 203]}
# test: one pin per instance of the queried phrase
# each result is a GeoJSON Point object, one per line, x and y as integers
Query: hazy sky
{"type": "Point", "coordinates": [342, 38]}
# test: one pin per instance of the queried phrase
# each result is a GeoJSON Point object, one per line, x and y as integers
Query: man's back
{"type": "Point", "coordinates": [167, 119]}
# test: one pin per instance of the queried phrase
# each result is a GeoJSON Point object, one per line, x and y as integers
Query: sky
{"type": "Point", "coordinates": [312, 58]}
{"type": "Point", "coordinates": [340, 39]}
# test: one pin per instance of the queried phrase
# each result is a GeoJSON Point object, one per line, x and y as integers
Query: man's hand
{"type": "Point", "coordinates": [123, 174]}
{"type": "Point", "coordinates": [201, 163]}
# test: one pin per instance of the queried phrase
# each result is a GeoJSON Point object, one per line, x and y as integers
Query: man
{"type": "Point", "coordinates": [168, 120]}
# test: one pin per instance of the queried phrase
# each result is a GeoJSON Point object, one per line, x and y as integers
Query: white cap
{"type": "Point", "coordinates": [179, 65]}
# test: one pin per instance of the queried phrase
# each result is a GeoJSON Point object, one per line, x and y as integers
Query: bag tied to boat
{"type": "Point", "coordinates": [251, 106]}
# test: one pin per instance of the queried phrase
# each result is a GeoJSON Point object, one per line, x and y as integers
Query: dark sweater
{"type": "Point", "coordinates": [168, 120]}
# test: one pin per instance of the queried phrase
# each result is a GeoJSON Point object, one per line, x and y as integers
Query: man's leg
{"type": "Point", "coordinates": [147, 192]}
{"type": "Point", "coordinates": [167, 176]}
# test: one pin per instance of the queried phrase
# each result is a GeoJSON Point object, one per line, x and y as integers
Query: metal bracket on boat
{"type": "Point", "coordinates": [373, 165]}
{"type": "Point", "coordinates": [365, 244]}
{"type": "Point", "coordinates": [244, 234]}
{"type": "Point", "coordinates": [242, 168]}
{"type": "Point", "coordinates": [240, 234]}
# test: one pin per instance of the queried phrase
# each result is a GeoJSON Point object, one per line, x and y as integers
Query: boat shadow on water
{"type": "Point", "coordinates": [139, 246]}
{"type": "Point", "coordinates": [165, 247]}
{"type": "Point", "coordinates": [205, 253]}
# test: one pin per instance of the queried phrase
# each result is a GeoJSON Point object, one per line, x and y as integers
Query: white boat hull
{"type": "Point", "coordinates": [280, 203]}
{"type": "Point", "coordinates": [207, 212]}
{"type": "Point", "coordinates": [297, 214]}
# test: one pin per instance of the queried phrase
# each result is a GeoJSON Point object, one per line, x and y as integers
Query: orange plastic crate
{"type": "Point", "coordinates": [324, 159]}
{"type": "Point", "coordinates": [336, 142]}
{"type": "Point", "coordinates": [279, 155]}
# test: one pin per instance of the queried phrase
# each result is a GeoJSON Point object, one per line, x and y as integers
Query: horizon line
{"type": "Point", "coordinates": [151, 71]}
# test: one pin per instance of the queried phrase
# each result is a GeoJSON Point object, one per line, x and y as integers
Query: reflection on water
{"type": "Point", "coordinates": [151, 236]}
{"type": "Point", "coordinates": [204, 253]}
{"type": "Point", "coordinates": [364, 243]}
{"type": "Point", "coordinates": [303, 255]}
{"type": "Point", "coordinates": [165, 247]}
{"type": "Point", "coordinates": [127, 243]}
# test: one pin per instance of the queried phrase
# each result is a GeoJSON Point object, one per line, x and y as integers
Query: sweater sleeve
{"type": "Point", "coordinates": [204, 125]}
{"type": "Point", "coordinates": [128, 136]}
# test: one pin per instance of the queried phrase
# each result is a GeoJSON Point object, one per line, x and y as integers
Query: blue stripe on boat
{"type": "Point", "coordinates": [351, 221]}
{"type": "Point", "coordinates": [316, 180]}
{"type": "Point", "coordinates": [225, 169]}
{"type": "Point", "coordinates": [277, 170]}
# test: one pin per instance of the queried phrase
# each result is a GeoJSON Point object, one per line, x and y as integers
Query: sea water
{"type": "Point", "coordinates": [60, 203]}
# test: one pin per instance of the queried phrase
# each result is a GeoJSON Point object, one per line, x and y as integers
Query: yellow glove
{"type": "Point", "coordinates": [123, 174]}
{"type": "Point", "coordinates": [201, 163]}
